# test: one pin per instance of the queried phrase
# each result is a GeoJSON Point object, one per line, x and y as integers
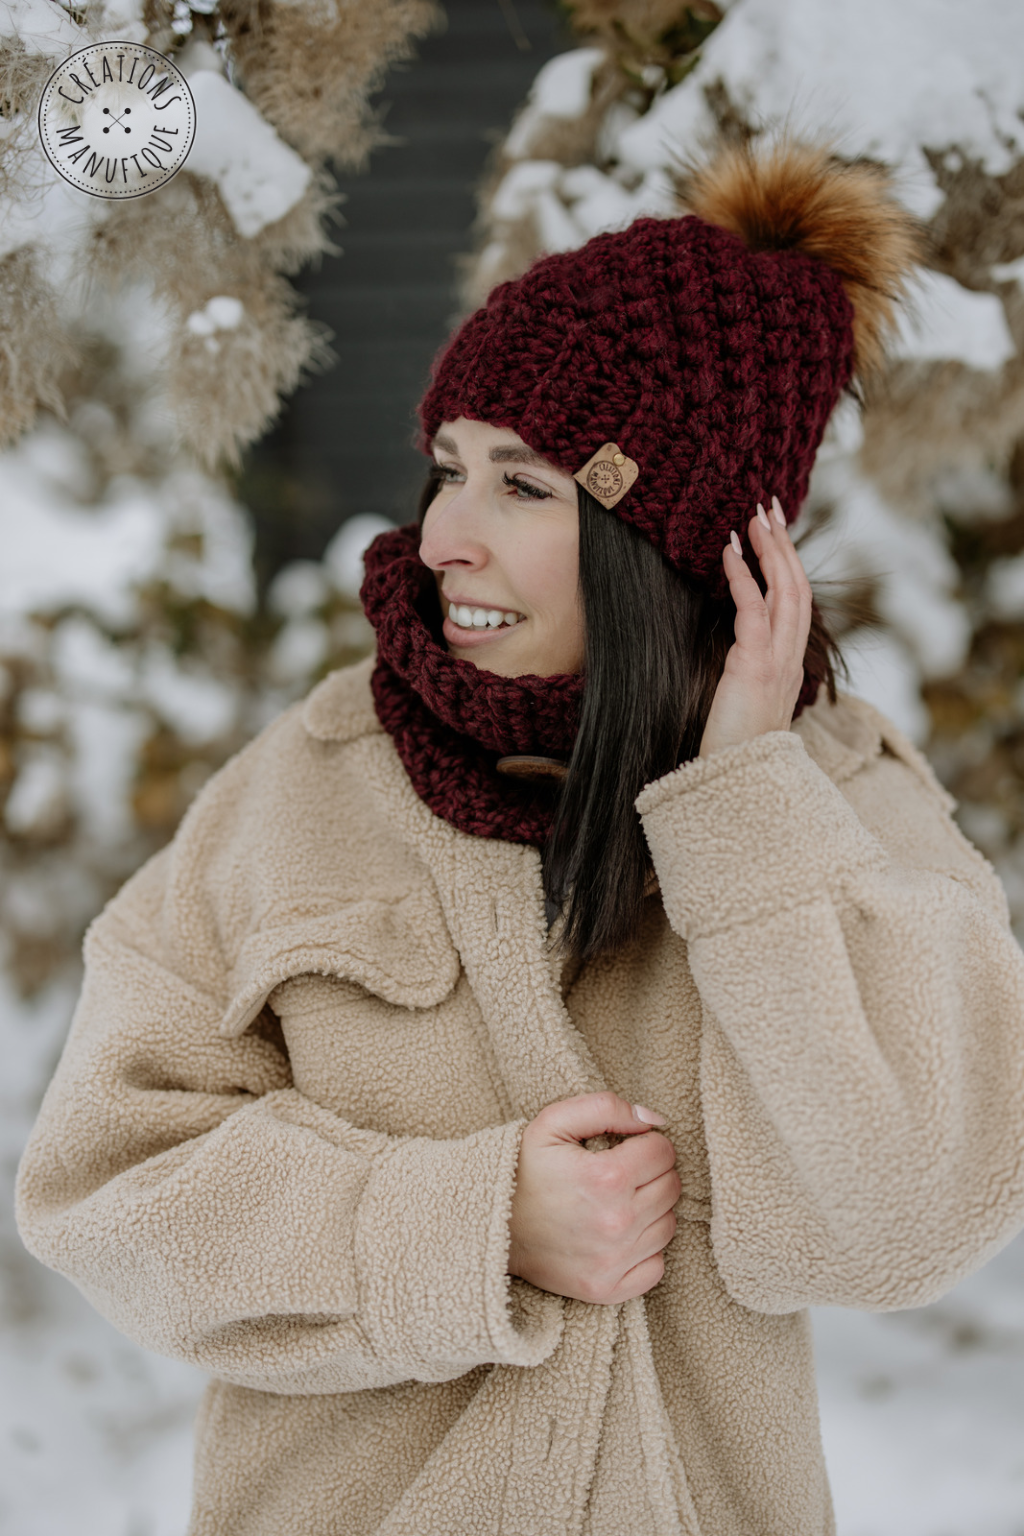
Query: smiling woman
{"type": "Point", "coordinates": [501, 535]}
{"type": "Point", "coordinates": [353, 1112]}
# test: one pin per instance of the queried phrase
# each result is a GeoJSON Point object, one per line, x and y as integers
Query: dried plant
{"type": "Point", "coordinates": [35, 347]}
{"type": "Point", "coordinates": [311, 67]}
{"type": "Point", "coordinates": [226, 388]}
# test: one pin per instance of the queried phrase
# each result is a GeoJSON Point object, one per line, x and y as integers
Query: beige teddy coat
{"type": "Point", "coordinates": [282, 1139]}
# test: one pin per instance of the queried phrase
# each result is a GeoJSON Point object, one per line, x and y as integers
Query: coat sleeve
{"type": "Point", "coordinates": [214, 1213]}
{"type": "Point", "coordinates": [862, 1067]}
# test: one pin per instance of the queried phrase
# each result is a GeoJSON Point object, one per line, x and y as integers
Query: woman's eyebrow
{"type": "Point", "coordinates": [514, 455]}
{"type": "Point", "coordinates": [503, 455]}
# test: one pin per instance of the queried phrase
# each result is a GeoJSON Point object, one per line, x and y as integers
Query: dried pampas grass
{"type": "Point", "coordinates": [35, 348]}
{"type": "Point", "coordinates": [22, 77]}
{"type": "Point", "coordinates": [642, 20]}
{"type": "Point", "coordinates": [226, 387]}
{"type": "Point", "coordinates": [311, 67]}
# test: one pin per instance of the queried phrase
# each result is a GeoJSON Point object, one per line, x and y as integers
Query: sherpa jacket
{"type": "Point", "coordinates": [282, 1140]}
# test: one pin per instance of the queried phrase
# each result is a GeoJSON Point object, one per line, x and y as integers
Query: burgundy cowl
{"type": "Point", "coordinates": [450, 720]}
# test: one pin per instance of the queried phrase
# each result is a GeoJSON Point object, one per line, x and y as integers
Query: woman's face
{"type": "Point", "coordinates": [502, 538]}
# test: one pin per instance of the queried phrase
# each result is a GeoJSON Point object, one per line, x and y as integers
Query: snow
{"type": "Point", "coordinates": [222, 313]}
{"type": "Point", "coordinates": [343, 556]}
{"type": "Point", "coordinates": [123, 21]}
{"type": "Point", "coordinates": [89, 665]}
{"type": "Point", "coordinates": [569, 206]}
{"type": "Point", "coordinates": [97, 561]}
{"type": "Point", "coordinates": [105, 741]}
{"type": "Point", "coordinates": [298, 650]}
{"type": "Point", "coordinates": [944, 320]}
{"type": "Point", "coordinates": [57, 552]}
{"type": "Point", "coordinates": [259, 176]}
{"type": "Point", "coordinates": [916, 575]}
{"type": "Point", "coordinates": [520, 184]}
{"type": "Point", "coordinates": [1004, 589]}
{"type": "Point", "coordinates": [60, 553]}
{"type": "Point", "coordinates": [95, 1434]}
{"type": "Point", "coordinates": [922, 1411]}
{"type": "Point", "coordinates": [37, 801]}
{"type": "Point", "coordinates": [197, 707]}
{"type": "Point", "coordinates": [43, 26]}
{"type": "Point", "coordinates": [298, 589]}
{"type": "Point", "coordinates": [561, 89]}
{"type": "Point", "coordinates": [1009, 271]}
{"type": "Point", "coordinates": [882, 672]}
{"type": "Point", "coordinates": [46, 211]}
{"type": "Point", "coordinates": [883, 79]}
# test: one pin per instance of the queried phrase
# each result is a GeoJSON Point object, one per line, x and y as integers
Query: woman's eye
{"type": "Point", "coordinates": [525, 488]}
{"type": "Point", "coordinates": [445, 473]}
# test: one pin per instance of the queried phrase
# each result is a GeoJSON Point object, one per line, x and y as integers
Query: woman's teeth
{"type": "Point", "coordinates": [480, 618]}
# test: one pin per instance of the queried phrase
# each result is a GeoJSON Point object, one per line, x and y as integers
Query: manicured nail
{"type": "Point", "coordinates": [734, 541]}
{"type": "Point", "coordinates": [762, 517]}
{"type": "Point", "coordinates": [780, 516]}
{"type": "Point", "coordinates": [648, 1116]}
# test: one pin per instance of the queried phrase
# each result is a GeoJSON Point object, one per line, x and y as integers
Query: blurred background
{"type": "Point", "coordinates": [207, 409]}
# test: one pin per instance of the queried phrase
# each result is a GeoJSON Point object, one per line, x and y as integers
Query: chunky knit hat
{"type": "Point", "coordinates": [709, 350]}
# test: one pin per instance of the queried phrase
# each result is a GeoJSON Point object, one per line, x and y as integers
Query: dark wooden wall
{"type": "Point", "coordinates": [343, 444]}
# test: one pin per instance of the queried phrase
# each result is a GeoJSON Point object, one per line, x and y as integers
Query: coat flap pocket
{"type": "Point", "coordinates": [401, 951]}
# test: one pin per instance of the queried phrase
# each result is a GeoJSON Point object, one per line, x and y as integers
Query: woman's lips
{"type": "Point", "coordinates": [468, 639]}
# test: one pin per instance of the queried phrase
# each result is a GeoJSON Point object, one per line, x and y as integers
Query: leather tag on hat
{"type": "Point", "coordinates": [608, 474]}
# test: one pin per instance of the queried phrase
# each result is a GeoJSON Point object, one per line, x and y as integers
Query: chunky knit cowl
{"type": "Point", "coordinates": [451, 721]}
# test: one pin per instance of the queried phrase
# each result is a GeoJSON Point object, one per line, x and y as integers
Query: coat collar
{"type": "Point", "coordinates": [843, 737]}
{"type": "Point", "coordinates": [341, 707]}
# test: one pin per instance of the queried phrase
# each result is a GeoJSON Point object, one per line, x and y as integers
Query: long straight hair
{"type": "Point", "coordinates": [654, 652]}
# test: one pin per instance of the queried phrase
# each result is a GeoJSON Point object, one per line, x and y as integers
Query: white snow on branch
{"type": "Point", "coordinates": [945, 320]}
{"type": "Point", "coordinates": [884, 79]}
{"type": "Point", "coordinates": [61, 552]}
{"type": "Point", "coordinates": [42, 25]}
{"type": "Point", "coordinates": [561, 89]}
{"type": "Point", "coordinates": [569, 206]}
{"type": "Point", "coordinates": [259, 176]}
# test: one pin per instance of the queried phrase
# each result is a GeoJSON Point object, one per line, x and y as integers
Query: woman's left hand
{"type": "Point", "coordinates": [764, 671]}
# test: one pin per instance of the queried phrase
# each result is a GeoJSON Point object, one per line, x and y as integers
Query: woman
{"type": "Point", "coordinates": [353, 1113]}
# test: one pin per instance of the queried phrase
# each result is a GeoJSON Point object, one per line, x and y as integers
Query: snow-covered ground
{"type": "Point", "coordinates": [923, 1411]}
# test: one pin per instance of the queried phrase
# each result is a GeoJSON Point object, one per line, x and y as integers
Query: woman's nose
{"type": "Point", "coordinates": [451, 535]}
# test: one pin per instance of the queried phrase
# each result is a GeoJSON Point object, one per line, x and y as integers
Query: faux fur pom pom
{"type": "Point", "coordinates": [789, 196]}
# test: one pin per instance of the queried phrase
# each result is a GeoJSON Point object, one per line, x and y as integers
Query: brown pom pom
{"type": "Point", "coordinates": [789, 196]}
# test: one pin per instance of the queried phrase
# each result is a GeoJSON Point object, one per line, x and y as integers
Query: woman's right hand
{"type": "Point", "coordinates": [592, 1225]}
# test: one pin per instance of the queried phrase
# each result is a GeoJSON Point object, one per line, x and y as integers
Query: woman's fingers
{"type": "Point", "coordinates": [785, 607]}
{"type": "Point", "coordinates": [753, 619]}
{"type": "Point", "coordinates": [764, 669]}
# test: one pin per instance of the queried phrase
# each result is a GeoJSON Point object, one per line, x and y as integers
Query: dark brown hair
{"type": "Point", "coordinates": [654, 652]}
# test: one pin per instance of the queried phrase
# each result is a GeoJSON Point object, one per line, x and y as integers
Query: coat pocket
{"type": "Point", "coordinates": [400, 951]}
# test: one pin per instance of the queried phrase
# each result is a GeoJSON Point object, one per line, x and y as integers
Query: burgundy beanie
{"type": "Point", "coordinates": [711, 349]}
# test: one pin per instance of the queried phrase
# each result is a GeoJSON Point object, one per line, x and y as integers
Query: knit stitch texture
{"type": "Point", "coordinates": [450, 720]}
{"type": "Point", "coordinates": [713, 366]}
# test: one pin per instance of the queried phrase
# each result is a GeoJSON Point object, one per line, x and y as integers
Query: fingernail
{"type": "Point", "coordinates": [780, 516]}
{"type": "Point", "coordinates": [762, 517]}
{"type": "Point", "coordinates": [648, 1116]}
{"type": "Point", "coordinates": [734, 541]}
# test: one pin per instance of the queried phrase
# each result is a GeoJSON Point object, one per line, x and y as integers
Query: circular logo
{"type": "Point", "coordinates": [604, 479]}
{"type": "Point", "coordinates": [117, 119]}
